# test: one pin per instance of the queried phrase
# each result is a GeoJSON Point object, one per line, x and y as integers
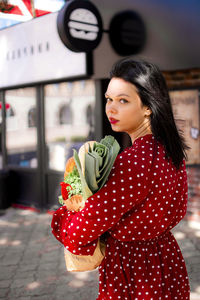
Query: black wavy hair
{"type": "Point", "coordinates": [152, 89]}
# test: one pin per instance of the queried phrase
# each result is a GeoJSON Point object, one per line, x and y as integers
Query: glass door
{"type": "Point", "coordinates": [22, 146]}
{"type": "Point", "coordinates": [1, 134]}
{"type": "Point", "coordinates": [21, 130]}
{"type": "Point", "coordinates": [69, 122]}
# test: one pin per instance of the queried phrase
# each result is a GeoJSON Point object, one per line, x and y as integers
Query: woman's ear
{"type": "Point", "coordinates": [147, 112]}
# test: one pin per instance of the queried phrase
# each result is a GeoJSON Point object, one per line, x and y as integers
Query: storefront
{"type": "Point", "coordinates": [49, 105]}
{"type": "Point", "coordinates": [52, 98]}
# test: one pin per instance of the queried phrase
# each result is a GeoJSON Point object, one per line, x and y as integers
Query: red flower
{"type": "Point", "coordinates": [64, 190]}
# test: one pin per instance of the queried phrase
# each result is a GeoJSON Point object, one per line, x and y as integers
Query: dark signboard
{"type": "Point", "coordinates": [127, 33]}
{"type": "Point", "coordinates": [80, 26]}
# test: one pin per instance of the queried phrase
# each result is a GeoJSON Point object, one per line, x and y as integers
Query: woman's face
{"type": "Point", "coordinates": [124, 107]}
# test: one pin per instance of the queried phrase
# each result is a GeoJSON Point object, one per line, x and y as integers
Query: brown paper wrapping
{"type": "Point", "coordinates": [81, 263]}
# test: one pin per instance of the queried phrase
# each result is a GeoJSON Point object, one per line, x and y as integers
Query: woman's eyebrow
{"type": "Point", "coordinates": [120, 95]}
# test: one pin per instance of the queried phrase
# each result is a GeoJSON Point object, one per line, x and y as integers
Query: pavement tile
{"type": "Point", "coordinates": [7, 272]}
{"type": "Point", "coordinates": [4, 292]}
{"type": "Point", "coordinates": [44, 297]}
{"type": "Point", "coordinates": [5, 283]}
{"type": "Point", "coordinates": [33, 267]}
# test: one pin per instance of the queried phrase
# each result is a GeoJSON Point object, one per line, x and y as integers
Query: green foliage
{"type": "Point", "coordinates": [74, 180]}
{"type": "Point", "coordinates": [98, 163]}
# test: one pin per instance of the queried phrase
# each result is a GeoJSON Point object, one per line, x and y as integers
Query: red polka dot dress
{"type": "Point", "coordinates": [144, 197]}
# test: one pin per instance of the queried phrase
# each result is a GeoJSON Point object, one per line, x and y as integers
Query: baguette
{"type": "Point", "coordinates": [69, 166]}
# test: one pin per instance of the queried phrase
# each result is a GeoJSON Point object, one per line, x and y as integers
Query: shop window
{"type": "Point", "coordinates": [90, 121]}
{"type": "Point", "coordinates": [1, 128]}
{"type": "Point", "coordinates": [65, 114]}
{"type": "Point", "coordinates": [89, 115]}
{"type": "Point", "coordinates": [32, 117]}
{"type": "Point", "coordinates": [9, 111]}
{"type": "Point", "coordinates": [69, 127]}
{"type": "Point", "coordinates": [21, 139]}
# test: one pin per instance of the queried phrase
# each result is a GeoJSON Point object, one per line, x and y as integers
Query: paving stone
{"type": "Point", "coordinates": [47, 266]}
{"type": "Point", "coordinates": [44, 297]}
{"type": "Point", "coordinates": [21, 283]}
{"type": "Point", "coordinates": [33, 267]}
{"type": "Point", "coordinates": [9, 261]}
{"type": "Point", "coordinates": [24, 274]}
{"type": "Point", "coordinates": [7, 272]}
{"type": "Point", "coordinates": [5, 283]}
{"type": "Point", "coordinates": [3, 293]}
{"type": "Point", "coordinates": [27, 267]}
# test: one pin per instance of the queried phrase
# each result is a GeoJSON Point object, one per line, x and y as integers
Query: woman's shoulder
{"type": "Point", "coordinates": [141, 153]}
{"type": "Point", "coordinates": [142, 144]}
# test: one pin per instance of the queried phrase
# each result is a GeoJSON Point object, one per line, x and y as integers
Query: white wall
{"type": "Point", "coordinates": [173, 30]}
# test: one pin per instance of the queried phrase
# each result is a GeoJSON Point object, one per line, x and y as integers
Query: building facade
{"type": "Point", "coordinates": [52, 98]}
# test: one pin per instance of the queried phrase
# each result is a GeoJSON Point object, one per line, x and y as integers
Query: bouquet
{"type": "Point", "coordinates": [86, 173]}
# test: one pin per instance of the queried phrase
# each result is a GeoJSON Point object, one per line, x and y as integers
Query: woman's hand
{"type": "Point", "coordinates": [75, 203]}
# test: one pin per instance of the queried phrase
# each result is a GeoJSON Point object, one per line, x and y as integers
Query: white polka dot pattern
{"type": "Point", "coordinates": [144, 197]}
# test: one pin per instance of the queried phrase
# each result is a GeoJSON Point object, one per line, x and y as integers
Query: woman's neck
{"type": "Point", "coordinates": [143, 130]}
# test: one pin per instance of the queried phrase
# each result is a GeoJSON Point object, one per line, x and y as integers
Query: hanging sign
{"type": "Point", "coordinates": [79, 26]}
{"type": "Point", "coordinates": [127, 33]}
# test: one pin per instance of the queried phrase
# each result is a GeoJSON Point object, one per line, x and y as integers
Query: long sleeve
{"type": "Point", "coordinates": [128, 185]}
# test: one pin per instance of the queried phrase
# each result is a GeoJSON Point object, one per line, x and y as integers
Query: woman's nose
{"type": "Point", "coordinates": [111, 107]}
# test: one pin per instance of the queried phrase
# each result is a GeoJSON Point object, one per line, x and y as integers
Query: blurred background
{"type": "Point", "coordinates": [52, 92]}
{"type": "Point", "coordinates": [55, 58]}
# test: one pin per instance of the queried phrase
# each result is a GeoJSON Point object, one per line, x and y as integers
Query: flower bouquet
{"type": "Point", "coordinates": [86, 173]}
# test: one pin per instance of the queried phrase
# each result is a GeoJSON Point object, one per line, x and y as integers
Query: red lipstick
{"type": "Point", "coordinates": [113, 121]}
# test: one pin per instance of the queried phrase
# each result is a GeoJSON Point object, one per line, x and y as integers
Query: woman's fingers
{"type": "Point", "coordinates": [76, 203]}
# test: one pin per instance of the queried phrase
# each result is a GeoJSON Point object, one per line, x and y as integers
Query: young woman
{"type": "Point", "coordinates": [143, 199]}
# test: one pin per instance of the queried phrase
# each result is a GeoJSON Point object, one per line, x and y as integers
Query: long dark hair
{"type": "Point", "coordinates": [153, 92]}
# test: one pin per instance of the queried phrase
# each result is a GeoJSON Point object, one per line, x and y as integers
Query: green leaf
{"type": "Point", "coordinates": [91, 171]}
{"type": "Point", "coordinates": [86, 191]}
{"type": "Point", "coordinates": [99, 161]}
{"type": "Point", "coordinates": [74, 180]}
{"type": "Point", "coordinates": [60, 200]}
{"type": "Point", "coordinates": [114, 150]}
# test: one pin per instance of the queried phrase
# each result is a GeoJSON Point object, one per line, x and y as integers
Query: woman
{"type": "Point", "coordinates": [143, 199]}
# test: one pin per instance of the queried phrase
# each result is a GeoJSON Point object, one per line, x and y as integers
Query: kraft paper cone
{"type": "Point", "coordinates": [81, 263]}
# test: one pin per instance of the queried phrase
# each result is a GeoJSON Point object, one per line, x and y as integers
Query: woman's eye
{"type": "Point", "coordinates": [108, 99]}
{"type": "Point", "coordinates": [123, 101]}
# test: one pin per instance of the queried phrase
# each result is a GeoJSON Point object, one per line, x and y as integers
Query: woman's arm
{"type": "Point", "coordinates": [128, 184]}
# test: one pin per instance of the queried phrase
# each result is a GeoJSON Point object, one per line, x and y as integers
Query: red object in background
{"type": "Point", "coordinates": [64, 191]}
{"type": "Point", "coordinates": [7, 106]}
{"type": "Point", "coordinates": [17, 9]}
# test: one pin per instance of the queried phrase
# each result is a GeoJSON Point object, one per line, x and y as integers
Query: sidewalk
{"type": "Point", "coordinates": [32, 264]}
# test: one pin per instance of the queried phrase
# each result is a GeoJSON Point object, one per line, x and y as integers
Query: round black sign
{"type": "Point", "coordinates": [127, 33]}
{"type": "Point", "coordinates": [79, 26]}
